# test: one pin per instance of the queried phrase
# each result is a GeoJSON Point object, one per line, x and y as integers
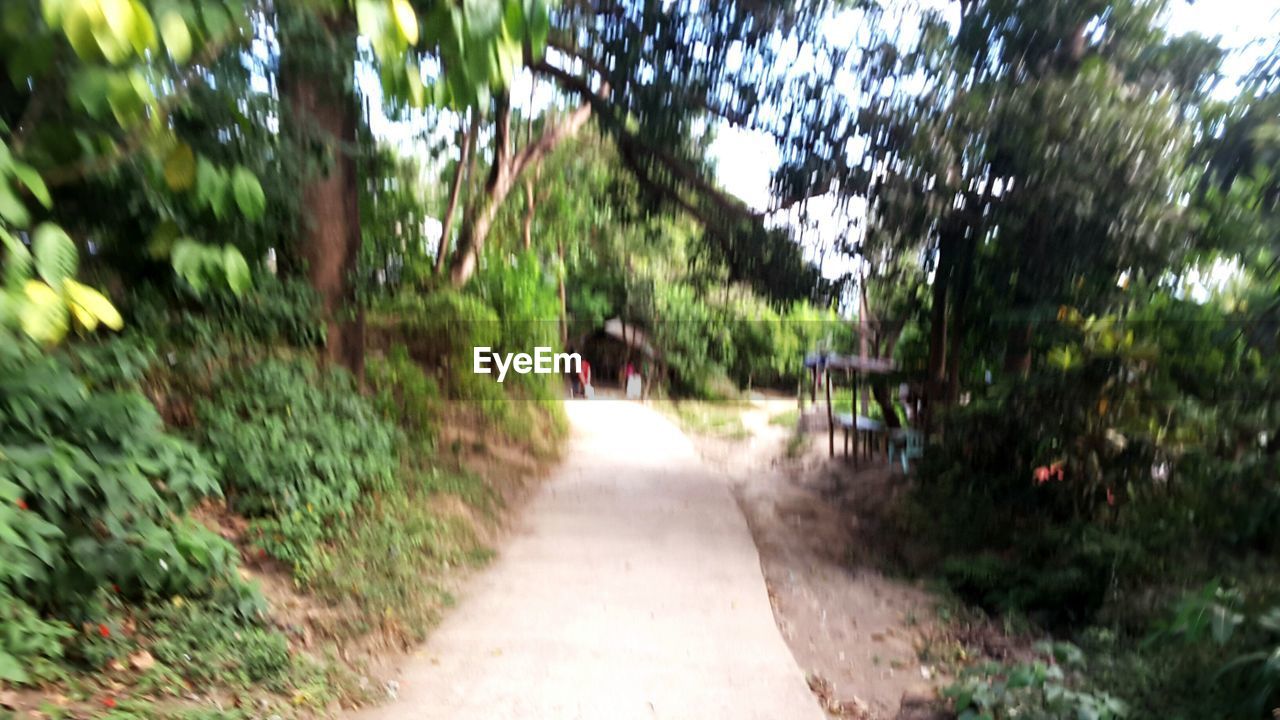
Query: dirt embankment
{"type": "Point", "coordinates": [864, 638]}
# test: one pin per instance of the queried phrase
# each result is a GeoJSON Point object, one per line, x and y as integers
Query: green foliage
{"type": "Point", "coordinates": [405, 394]}
{"type": "Point", "coordinates": [507, 309]}
{"type": "Point", "coordinates": [1045, 688]}
{"type": "Point", "coordinates": [203, 265]}
{"type": "Point", "coordinates": [40, 308]}
{"type": "Point", "coordinates": [395, 549]}
{"type": "Point", "coordinates": [523, 297]}
{"type": "Point", "coordinates": [94, 496]}
{"type": "Point", "coordinates": [30, 646]}
{"type": "Point", "coordinates": [91, 484]}
{"type": "Point", "coordinates": [297, 447]}
{"type": "Point", "coordinates": [1237, 644]}
{"type": "Point", "coordinates": [205, 644]}
{"type": "Point", "coordinates": [274, 312]}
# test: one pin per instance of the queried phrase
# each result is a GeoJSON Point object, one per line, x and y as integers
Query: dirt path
{"type": "Point", "coordinates": [631, 590]}
{"type": "Point", "coordinates": [856, 633]}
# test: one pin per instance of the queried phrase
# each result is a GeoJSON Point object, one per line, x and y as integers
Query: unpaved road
{"type": "Point", "coordinates": [632, 589]}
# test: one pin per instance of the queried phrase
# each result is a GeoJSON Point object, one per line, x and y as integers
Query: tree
{"type": "Point", "coordinates": [1039, 147]}
{"type": "Point", "coordinates": [317, 65]}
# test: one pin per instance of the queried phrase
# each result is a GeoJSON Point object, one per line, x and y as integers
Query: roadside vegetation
{"type": "Point", "coordinates": [249, 247]}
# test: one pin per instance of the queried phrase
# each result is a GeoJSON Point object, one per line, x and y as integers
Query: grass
{"type": "Point", "coordinates": [711, 419]}
{"type": "Point", "coordinates": [387, 570]}
{"type": "Point", "coordinates": [789, 418]}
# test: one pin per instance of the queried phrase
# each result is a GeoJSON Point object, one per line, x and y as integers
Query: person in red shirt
{"type": "Point", "coordinates": [584, 375]}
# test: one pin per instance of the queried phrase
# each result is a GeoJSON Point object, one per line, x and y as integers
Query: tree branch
{"type": "Point", "coordinates": [675, 165]}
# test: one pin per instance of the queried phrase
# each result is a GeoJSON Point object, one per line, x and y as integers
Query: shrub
{"type": "Point", "coordinates": [30, 646]}
{"type": "Point", "coordinates": [274, 311]}
{"type": "Point", "coordinates": [297, 446]}
{"type": "Point", "coordinates": [1047, 688]}
{"type": "Point", "coordinates": [288, 436]}
{"type": "Point", "coordinates": [93, 495]}
{"type": "Point", "coordinates": [404, 393]}
{"type": "Point", "coordinates": [91, 486]}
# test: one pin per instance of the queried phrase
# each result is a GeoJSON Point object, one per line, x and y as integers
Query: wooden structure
{"type": "Point", "coordinates": [855, 369]}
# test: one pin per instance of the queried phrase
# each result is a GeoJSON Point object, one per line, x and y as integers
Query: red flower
{"type": "Point", "coordinates": [22, 504]}
{"type": "Point", "coordinates": [109, 702]}
{"type": "Point", "coordinates": [1045, 473]}
{"type": "Point", "coordinates": [104, 631]}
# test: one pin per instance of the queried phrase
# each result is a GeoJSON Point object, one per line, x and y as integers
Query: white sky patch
{"type": "Point", "coordinates": [745, 159]}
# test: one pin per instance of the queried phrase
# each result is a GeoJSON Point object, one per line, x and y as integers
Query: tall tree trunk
{"type": "Point", "coordinates": [864, 330]}
{"type": "Point", "coordinates": [467, 139]}
{"type": "Point", "coordinates": [935, 379]}
{"type": "Point", "coordinates": [962, 282]}
{"type": "Point", "coordinates": [1026, 291]}
{"type": "Point", "coordinates": [324, 114]}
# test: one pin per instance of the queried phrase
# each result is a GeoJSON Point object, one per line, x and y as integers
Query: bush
{"type": "Point", "coordinates": [1046, 688]}
{"type": "Point", "coordinates": [404, 393]}
{"type": "Point", "coordinates": [274, 311]}
{"type": "Point", "coordinates": [288, 437]}
{"type": "Point", "coordinates": [93, 495]}
{"type": "Point", "coordinates": [91, 486]}
{"type": "Point", "coordinates": [297, 447]}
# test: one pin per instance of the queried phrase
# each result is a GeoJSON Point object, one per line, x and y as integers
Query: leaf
{"type": "Point", "coordinates": [11, 208]}
{"type": "Point", "coordinates": [34, 183]}
{"type": "Point", "coordinates": [78, 27]}
{"type": "Point", "coordinates": [11, 670]}
{"type": "Point", "coordinates": [239, 278]}
{"type": "Point", "coordinates": [176, 36]}
{"type": "Point", "coordinates": [44, 317]}
{"type": "Point", "coordinates": [186, 260]}
{"type": "Point", "coordinates": [209, 181]}
{"type": "Point", "coordinates": [248, 192]}
{"type": "Point", "coordinates": [17, 261]}
{"type": "Point", "coordinates": [180, 168]}
{"type": "Point", "coordinates": [406, 21]}
{"type": "Point", "coordinates": [161, 242]}
{"type": "Point", "coordinates": [94, 304]}
{"type": "Point", "coordinates": [55, 253]}
{"type": "Point", "coordinates": [143, 33]}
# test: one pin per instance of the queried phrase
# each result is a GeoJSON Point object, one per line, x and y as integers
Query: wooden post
{"type": "Point", "coordinates": [831, 425]}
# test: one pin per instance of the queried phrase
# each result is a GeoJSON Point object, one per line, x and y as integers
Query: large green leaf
{"type": "Point", "coordinates": [55, 253]}
{"type": "Point", "coordinates": [11, 208]}
{"type": "Point", "coordinates": [17, 262]}
{"type": "Point", "coordinates": [248, 192]}
{"type": "Point", "coordinates": [238, 276]}
{"type": "Point", "coordinates": [34, 183]}
{"type": "Point", "coordinates": [176, 36]}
